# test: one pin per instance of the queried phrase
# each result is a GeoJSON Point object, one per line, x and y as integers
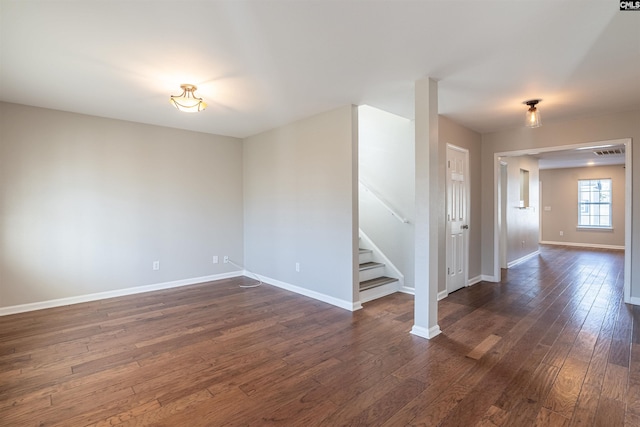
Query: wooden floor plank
{"type": "Point", "coordinates": [566, 388]}
{"type": "Point", "coordinates": [483, 347]}
{"type": "Point", "coordinates": [552, 344]}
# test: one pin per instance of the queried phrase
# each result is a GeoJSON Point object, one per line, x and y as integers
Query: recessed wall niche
{"type": "Point", "coordinates": [524, 188]}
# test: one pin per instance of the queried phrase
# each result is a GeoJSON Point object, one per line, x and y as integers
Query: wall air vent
{"type": "Point", "coordinates": [609, 152]}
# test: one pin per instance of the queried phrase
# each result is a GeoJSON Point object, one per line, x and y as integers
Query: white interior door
{"type": "Point", "coordinates": [457, 217]}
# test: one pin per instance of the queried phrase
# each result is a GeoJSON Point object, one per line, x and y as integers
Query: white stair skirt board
{"type": "Point", "coordinates": [583, 245]}
{"type": "Point", "coordinates": [4, 311]}
{"type": "Point", "coordinates": [522, 259]}
{"type": "Point", "coordinates": [432, 332]}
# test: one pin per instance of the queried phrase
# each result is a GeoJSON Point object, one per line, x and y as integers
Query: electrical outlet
{"type": "Point", "coordinates": [156, 265]}
{"type": "Point", "coordinates": [298, 267]}
{"type": "Point", "coordinates": [215, 259]}
{"type": "Point", "coordinates": [225, 259]}
{"type": "Point", "coordinates": [562, 233]}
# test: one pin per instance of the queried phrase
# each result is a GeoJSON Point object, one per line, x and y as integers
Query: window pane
{"type": "Point", "coordinates": [594, 202]}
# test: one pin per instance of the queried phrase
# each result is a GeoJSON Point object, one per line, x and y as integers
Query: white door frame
{"type": "Point", "coordinates": [501, 206]}
{"type": "Point", "coordinates": [627, 208]}
{"type": "Point", "coordinates": [467, 202]}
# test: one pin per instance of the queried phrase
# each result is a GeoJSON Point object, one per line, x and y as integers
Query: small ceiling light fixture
{"type": "Point", "coordinates": [533, 115]}
{"type": "Point", "coordinates": [188, 101]}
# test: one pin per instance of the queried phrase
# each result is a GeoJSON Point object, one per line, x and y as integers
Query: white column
{"type": "Point", "coordinates": [427, 208]}
{"type": "Point", "coordinates": [355, 212]}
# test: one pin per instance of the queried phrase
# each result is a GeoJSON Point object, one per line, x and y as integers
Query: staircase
{"type": "Point", "coordinates": [374, 277]}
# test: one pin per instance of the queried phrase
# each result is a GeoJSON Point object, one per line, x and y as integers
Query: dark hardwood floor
{"type": "Point", "coordinates": [551, 345]}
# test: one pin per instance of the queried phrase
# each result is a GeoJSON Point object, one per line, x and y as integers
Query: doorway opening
{"type": "Point", "coordinates": [500, 225]}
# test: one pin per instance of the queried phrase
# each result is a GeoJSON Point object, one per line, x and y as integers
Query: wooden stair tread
{"type": "Point", "coordinates": [370, 265]}
{"type": "Point", "coordinates": [378, 281]}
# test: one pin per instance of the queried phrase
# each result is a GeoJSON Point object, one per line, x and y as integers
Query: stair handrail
{"type": "Point", "coordinates": [384, 203]}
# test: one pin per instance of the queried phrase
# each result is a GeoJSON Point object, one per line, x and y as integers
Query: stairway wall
{"type": "Point", "coordinates": [386, 165]}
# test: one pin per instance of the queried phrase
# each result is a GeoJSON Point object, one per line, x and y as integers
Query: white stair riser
{"type": "Point", "coordinates": [365, 257]}
{"type": "Point", "coordinates": [380, 291]}
{"type": "Point", "coordinates": [371, 273]}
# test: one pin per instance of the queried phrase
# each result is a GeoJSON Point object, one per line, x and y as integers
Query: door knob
{"type": "Point", "coordinates": [464, 227]}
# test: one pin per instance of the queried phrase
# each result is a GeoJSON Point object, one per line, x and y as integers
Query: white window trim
{"type": "Point", "coordinates": [595, 227]}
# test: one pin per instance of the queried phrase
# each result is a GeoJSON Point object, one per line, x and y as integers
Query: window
{"type": "Point", "coordinates": [594, 203]}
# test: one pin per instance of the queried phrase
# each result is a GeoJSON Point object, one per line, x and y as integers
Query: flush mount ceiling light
{"type": "Point", "coordinates": [533, 115]}
{"type": "Point", "coordinates": [188, 101]}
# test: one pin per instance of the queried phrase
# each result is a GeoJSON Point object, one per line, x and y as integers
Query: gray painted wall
{"type": "Point", "coordinates": [301, 203]}
{"type": "Point", "coordinates": [560, 194]}
{"type": "Point", "coordinates": [87, 204]}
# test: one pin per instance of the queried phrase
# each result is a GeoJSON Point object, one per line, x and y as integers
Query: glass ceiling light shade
{"type": "Point", "coordinates": [188, 101]}
{"type": "Point", "coordinates": [532, 119]}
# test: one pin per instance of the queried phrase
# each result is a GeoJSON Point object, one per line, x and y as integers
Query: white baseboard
{"type": "Point", "coordinates": [583, 245]}
{"type": "Point", "coordinates": [522, 259]}
{"type": "Point", "coordinates": [426, 333]}
{"type": "Point", "coordinates": [412, 291]}
{"type": "Point", "coordinates": [22, 308]}
{"type": "Point", "coordinates": [407, 290]}
{"type": "Point", "coordinates": [474, 280]}
{"type": "Point", "coordinates": [347, 305]}
{"type": "Point", "coordinates": [487, 278]}
{"type": "Point", "coordinates": [633, 300]}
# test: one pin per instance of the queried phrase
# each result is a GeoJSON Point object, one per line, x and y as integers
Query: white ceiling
{"type": "Point", "coordinates": [263, 63]}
